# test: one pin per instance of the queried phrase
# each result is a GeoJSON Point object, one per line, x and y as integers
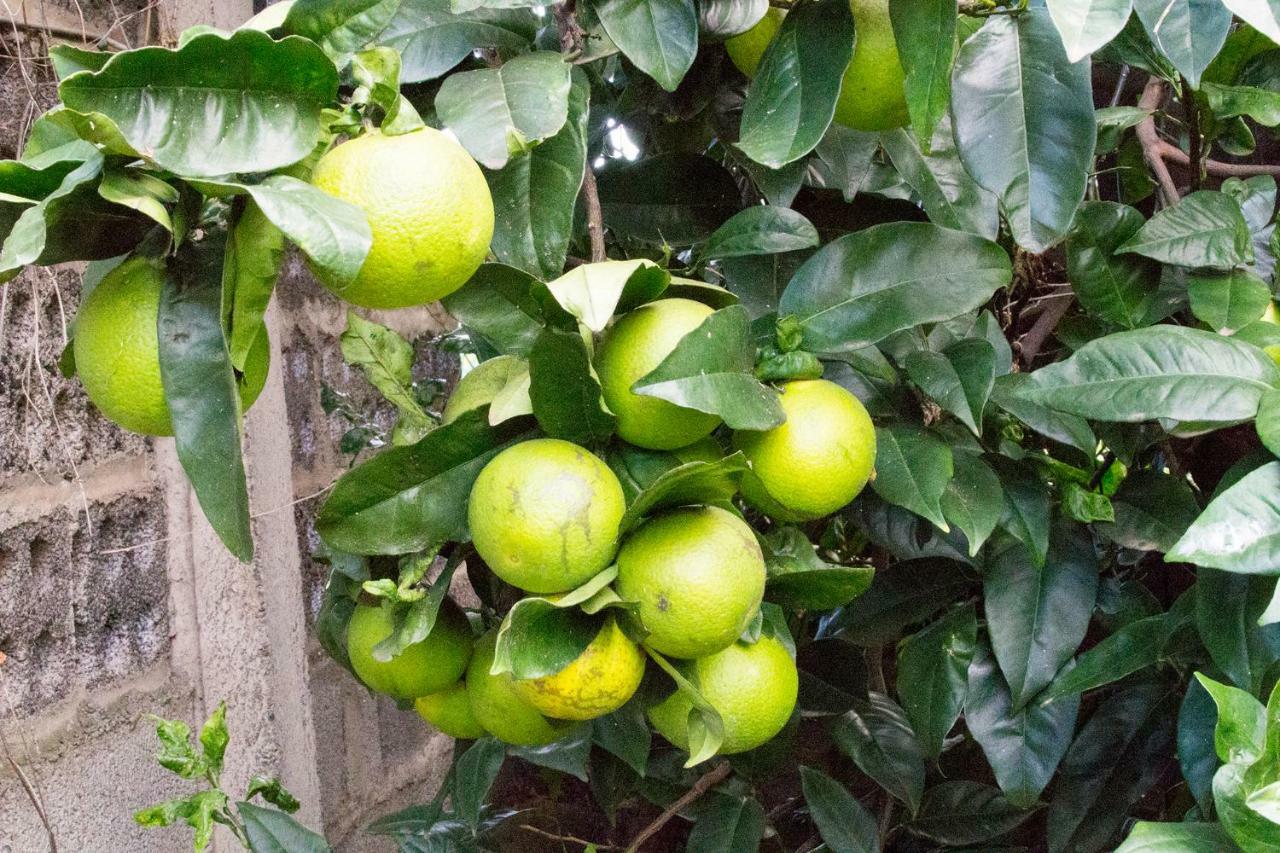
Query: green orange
{"type": "Point", "coordinates": [632, 347]}
{"type": "Point", "coordinates": [449, 710]}
{"type": "Point", "coordinates": [498, 708]}
{"type": "Point", "coordinates": [697, 575]}
{"type": "Point", "coordinates": [428, 666]}
{"type": "Point", "coordinates": [428, 208]}
{"type": "Point", "coordinates": [815, 462]}
{"type": "Point", "coordinates": [599, 681]}
{"type": "Point", "coordinates": [753, 687]}
{"type": "Point", "coordinates": [544, 515]}
{"type": "Point", "coordinates": [117, 349]}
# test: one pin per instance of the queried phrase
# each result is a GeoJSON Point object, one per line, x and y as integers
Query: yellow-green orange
{"type": "Point", "coordinates": [428, 666]}
{"type": "Point", "coordinates": [499, 709]}
{"type": "Point", "coordinates": [871, 93]}
{"type": "Point", "coordinates": [544, 515]}
{"type": "Point", "coordinates": [428, 208]}
{"type": "Point", "coordinates": [599, 681]}
{"type": "Point", "coordinates": [117, 349]}
{"type": "Point", "coordinates": [697, 575]}
{"type": "Point", "coordinates": [481, 384]}
{"type": "Point", "coordinates": [815, 462]}
{"type": "Point", "coordinates": [633, 347]}
{"type": "Point", "coordinates": [449, 710]}
{"type": "Point", "coordinates": [754, 688]}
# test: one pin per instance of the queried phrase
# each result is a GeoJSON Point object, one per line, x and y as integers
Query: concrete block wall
{"type": "Point", "coordinates": [117, 601]}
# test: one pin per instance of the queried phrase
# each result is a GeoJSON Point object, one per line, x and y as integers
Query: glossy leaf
{"type": "Point", "coordinates": [1159, 372]}
{"type": "Point", "coordinates": [1147, 837]}
{"type": "Point", "coordinates": [432, 39]}
{"type": "Point", "coordinates": [706, 727]}
{"type": "Point", "coordinates": [691, 483]}
{"type": "Point", "coordinates": [877, 736]}
{"type": "Point", "coordinates": [948, 194]}
{"type": "Point", "coordinates": [1240, 733]}
{"type": "Point", "coordinates": [798, 578]}
{"type": "Point", "coordinates": [1116, 287]}
{"type": "Point", "coordinates": [1023, 119]}
{"type": "Point", "coordinates": [724, 823]}
{"type": "Point", "coordinates": [539, 637]}
{"type": "Point", "coordinates": [761, 230]}
{"type": "Point", "coordinates": [273, 831]}
{"type": "Point", "coordinates": [1023, 747]}
{"type": "Point", "coordinates": [1204, 229]}
{"type": "Point", "coordinates": [200, 392]}
{"type": "Point", "coordinates": [1197, 757]}
{"type": "Point", "coordinates": [1227, 609]}
{"type": "Point", "coordinates": [339, 28]}
{"type": "Point", "coordinates": [1240, 529]}
{"type": "Point", "coordinates": [659, 36]}
{"type": "Point", "coordinates": [409, 498]}
{"type": "Point", "coordinates": [1227, 302]}
{"type": "Point", "coordinates": [1071, 430]}
{"type": "Point", "coordinates": [1130, 649]}
{"type": "Point", "coordinates": [474, 775]}
{"type": "Point", "coordinates": [566, 396]}
{"type": "Point", "coordinates": [925, 34]}
{"type": "Point", "coordinates": [1086, 25]}
{"type": "Point", "coordinates": [974, 500]}
{"type": "Point", "coordinates": [593, 293]}
{"type": "Point", "coordinates": [499, 113]}
{"type": "Point", "coordinates": [933, 671]}
{"type": "Point", "coordinates": [1262, 15]}
{"type": "Point", "coordinates": [913, 468]}
{"type": "Point", "coordinates": [1152, 511]}
{"type": "Point", "coordinates": [711, 370]}
{"type": "Point", "coordinates": [863, 287]}
{"type": "Point", "coordinates": [1027, 512]}
{"type": "Point", "coordinates": [1189, 33]}
{"type": "Point", "coordinates": [499, 304]}
{"type": "Point", "coordinates": [1038, 617]}
{"type": "Point", "coordinates": [255, 254]}
{"type": "Point", "coordinates": [245, 102]}
{"type": "Point", "coordinates": [844, 825]}
{"type": "Point", "coordinates": [1268, 422]}
{"type": "Point", "coordinates": [534, 195]}
{"type": "Point", "coordinates": [962, 812]}
{"type": "Point", "coordinates": [958, 379]}
{"type": "Point", "coordinates": [625, 733]}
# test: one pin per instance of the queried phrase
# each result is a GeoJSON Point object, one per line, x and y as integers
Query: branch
{"type": "Point", "coordinates": [705, 783]}
{"type": "Point", "coordinates": [571, 35]}
{"type": "Point", "coordinates": [1217, 168]}
{"type": "Point", "coordinates": [1151, 142]}
{"type": "Point", "coordinates": [1056, 308]}
{"type": "Point", "coordinates": [566, 839]}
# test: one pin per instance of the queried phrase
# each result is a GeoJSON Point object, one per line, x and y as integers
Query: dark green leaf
{"type": "Point", "coordinates": [1023, 747]}
{"type": "Point", "coordinates": [877, 736]}
{"type": "Point", "coordinates": [1205, 229]}
{"type": "Point", "coordinates": [1015, 101]}
{"type": "Point", "coordinates": [625, 733]}
{"type": "Point", "coordinates": [792, 97]}
{"type": "Point", "coordinates": [534, 195]}
{"type": "Point", "coordinates": [1159, 372]}
{"type": "Point", "coordinates": [1071, 430]}
{"type": "Point", "coordinates": [1240, 529]}
{"type": "Point", "coordinates": [691, 483]}
{"type": "Point", "coordinates": [800, 579]}
{"type": "Point", "coordinates": [973, 500]}
{"type": "Point", "coordinates": [1175, 838]}
{"type": "Point", "coordinates": [415, 497]}
{"type": "Point", "coordinates": [1196, 755]}
{"type": "Point", "coordinates": [925, 33]}
{"type": "Point", "coordinates": [1189, 33]}
{"type": "Point", "coordinates": [913, 468]}
{"type": "Point", "coordinates": [1227, 302]}
{"type": "Point", "coordinates": [568, 755]}
{"type": "Point", "coordinates": [843, 823]}
{"type": "Point", "coordinates": [1026, 513]}
{"type": "Point", "coordinates": [959, 379]}
{"type": "Point", "coordinates": [761, 230]}
{"type": "Point", "coordinates": [1086, 25]}
{"type": "Point", "coordinates": [948, 194]}
{"type": "Point", "coordinates": [473, 777]}
{"type": "Point", "coordinates": [759, 281]}
{"type": "Point", "coordinates": [539, 638]}
{"type": "Point", "coordinates": [1227, 610]}
{"type": "Point", "coordinates": [273, 831]}
{"type": "Point", "coordinates": [711, 370]}
{"type": "Point", "coordinates": [724, 823]}
{"type": "Point", "coordinates": [1133, 647]}
{"type": "Point", "coordinates": [340, 28]}
{"type": "Point", "coordinates": [200, 392]}
{"type": "Point", "coordinates": [962, 812]}
{"type": "Point", "coordinates": [933, 672]}
{"type": "Point", "coordinates": [659, 36]}
{"type": "Point", "coordinates": [675, 198]}
{"type": "Point", "coordinates": [1037, 617]}
{"type": "Point", "coordinates": [1152, 511]}
{"type": "Point", "coordinates": [500, 305]}
{"type": "Point", "coordinates": [1261, 105]}
{"type": "Point", "coordinates": [1240, 733]}
{"type": "Point", "coordinates": [245, 102]}
{"type": "Point", "coordinates": [1115, 287]}
{"type": "Point", "coordinates": [502, 112]}
{"type": "Point", "coordinates": [564, 392]}
{"type": "Point", "coordinates": [432, 39]}
{"type": "Point", "coordinates": [865, 286]}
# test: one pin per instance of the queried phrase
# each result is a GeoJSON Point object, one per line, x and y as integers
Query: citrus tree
{"type": "Point", "coordinates": [868, 434]}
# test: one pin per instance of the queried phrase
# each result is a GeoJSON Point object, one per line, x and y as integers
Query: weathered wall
{"type": "Point", "coordinates": [116, 600]}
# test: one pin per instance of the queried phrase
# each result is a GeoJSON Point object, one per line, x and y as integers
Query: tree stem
{"type": "Point", "coordinates": [1150, 101]}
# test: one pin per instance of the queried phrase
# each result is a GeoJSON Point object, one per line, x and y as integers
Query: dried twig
{"type": "Point", "coordinates": [705, 783]}
{"type": "Point", "coordinates": [36, 800]}
{"type": "Point", "coordinates": [571, 839]}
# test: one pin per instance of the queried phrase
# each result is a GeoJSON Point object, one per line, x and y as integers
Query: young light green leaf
{"type": "Point", "coordinates": [387, 362]}
{"type": "Point", "coordinates": [1159, 372]}
{"type": "Point", "coordinates": [1240, 734]}
{"type": "Point", "coordinates": [1204, 229]}
{"type": "Point", "coordinates": [1147, 837]}
{"type": "Point", "coordinates": [245, 102]}
{"type": "Point", "coordinates": [1240, 529]}
{"type": "Point", "coordinates": [711, 370]}
{"type": "Point", "coordinates": [792, 97]}
{"type": "Point", "coordinates": [913, 468]}
{"type": "Point", "coordinates": [593, 293]}
{"type": "Point", "coordinates": [863, 287]}
{"type": "Point", "coordinates": [925, 33]}
{"type": "Point", "coordinates": [1015, 99]}
{"type": "Point", "coordinates": [214, 738]}
{"type": "Point", "coordinates": [499, 113]}
{"type": "Point", "coordinates": [933, 671]}
{"type": "Point", "coordinates": [659, 36]}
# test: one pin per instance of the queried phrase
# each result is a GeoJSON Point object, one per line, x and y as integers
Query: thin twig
{"type": "Point", "coordinates": [572, 839]}
{"type": "Point", "coordinates": [571, 35]}
{"type": "Point", "coordinates": [705, 783]}
{"type": "Point", "coordinates": [84, 36]}
{"type": "Point", "coordinates": [35, 801]}
{"type": "Point", "coordinates": [1107, 461]}
{"type": "Point", "coordinates": [1152, 96]}
{"type": "Point", "coordinates": [1194, 142]}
